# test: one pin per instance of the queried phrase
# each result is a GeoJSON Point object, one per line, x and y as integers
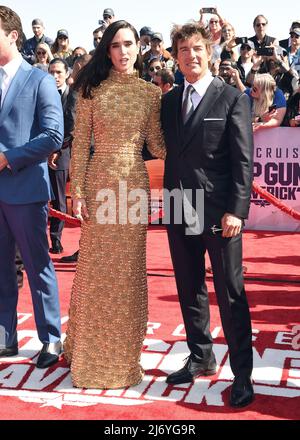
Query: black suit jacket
{"type": "Point", "coordinates": [284, 43]}
{"type": "Point", "coordinates": [213, 152]}
{"type": "Point", "coordinates": [68, 101]}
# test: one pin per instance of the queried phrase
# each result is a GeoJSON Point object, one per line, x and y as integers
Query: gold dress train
{"type": "Point", "coordinates": [109, 304]}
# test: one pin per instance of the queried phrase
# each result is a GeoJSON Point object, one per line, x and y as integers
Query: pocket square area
{"type": "Point", "coordinates": [213, 119]}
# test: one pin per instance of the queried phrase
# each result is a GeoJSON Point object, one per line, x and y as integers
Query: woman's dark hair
{"type": "Point", "coordinates": [55, 46]}
{"type": "Point", "coordinates": [97, 70]}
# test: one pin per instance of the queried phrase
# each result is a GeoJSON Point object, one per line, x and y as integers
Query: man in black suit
{"type": "Point", "coordinates": [59, 162]}
{"type": "Point", "coordinates": [208, 134]}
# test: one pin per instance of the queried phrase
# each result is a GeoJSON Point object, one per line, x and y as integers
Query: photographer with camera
{"type": "Point", "coordinates": [261, 39]}
{"type": "Point", "coordinates": [279, 68]}
{"type": "Point", "coordinates": [276, 64]}
{"type": "Point", "coordinates": [214, 25]}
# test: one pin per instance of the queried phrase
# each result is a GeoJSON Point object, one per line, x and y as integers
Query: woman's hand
{"type": "Point", "coordinates": [257, 126]}
{"type": "Point", "coordinates": [266, 117]}
{"type": "Point", "coordinates": [257, 61]}
{"type": "Point", "coordinates": [231, 44]}
{"type": "Point", "coordinates": [80, 209]}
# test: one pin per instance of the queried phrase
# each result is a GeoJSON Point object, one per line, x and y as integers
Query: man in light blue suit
{"type": "Point", "coordinates": [31, 128]}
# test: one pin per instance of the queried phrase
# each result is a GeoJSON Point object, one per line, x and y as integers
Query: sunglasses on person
{"type": "Point", "coordinates": [152, 69]}
{"type": "Point", "coordinates": [293, 35]}
{"type": "Point", "coordinates": [260, 24]}
{"type": "Point", "coordinates": [214, 21]}
{"type": "Point", "coordinates": [41, 52]}
{"type": "Point", "coordinates": [245, 47]}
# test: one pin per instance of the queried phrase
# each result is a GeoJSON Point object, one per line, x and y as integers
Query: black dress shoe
{"type": "Point", "coordinates": [9, 351]}
{"type": "Point", "coordinates": [241, 393]}
{"type": "Point", "coordinates": [49, 355]}
{"type": "Point", "coordinates": [70, 259]}
{"type": "Point", "coordinates": [56, 247]}
{"type": "Point", "coordinates": [193, 369]}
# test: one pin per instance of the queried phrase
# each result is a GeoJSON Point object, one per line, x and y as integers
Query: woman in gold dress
{"type": "Point", "coordinates": [108, 311]}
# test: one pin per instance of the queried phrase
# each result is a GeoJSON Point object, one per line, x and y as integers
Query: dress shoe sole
{"type": "Point", "coordinates": [52, 251]}
{"type": "Point", "coordinates": [67, 260]}
{"type": "Point", "coordinates": [9, 354]}
{"type": "Point", "coordinates": [48, 364]}
{"type": "Point", "coordinates": [243, 404]}
{"type": "Point", "coordinates": [192, 379]}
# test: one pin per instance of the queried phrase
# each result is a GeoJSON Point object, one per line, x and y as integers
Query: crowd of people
{"type": "Point", "coordinates": [238, 60]}
{"type": "Point", "coordinates": [217, 90]}
{"type": "Point", "coordinates": [263, 67]}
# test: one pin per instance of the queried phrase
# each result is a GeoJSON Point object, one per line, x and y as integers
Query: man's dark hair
{"type": "Point", "coordinates": [258, 16]}
{"type": "Point", "coordinates": [100, 29]}
{"type": "Point", "coordinates": [167, 76]}
{"type": "Point", "coordinates": [10, 21]}
{"type": "Point", "coordinates": [61, 61]}
{"type": "Point", "coordinates": [187, 31]}
{"type": "Point", "coordinates": [97, 70]}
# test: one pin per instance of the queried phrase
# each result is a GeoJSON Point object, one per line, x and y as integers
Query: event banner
{"type": "Point", "coordinates": [276, 169]}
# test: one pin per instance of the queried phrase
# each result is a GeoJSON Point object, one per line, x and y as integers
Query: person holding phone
{"type": "Point", "coordinates": [261, 39]}
{"type": "Point", "coordinates": [268, 103]}
{"type": "Point", "coordinates": [229, 43]}
{"type": "Point", "coordinates": [215, 23]}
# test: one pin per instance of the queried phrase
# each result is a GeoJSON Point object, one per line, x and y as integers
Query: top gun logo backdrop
{"type": "Point", "coordinates": [276, 169]}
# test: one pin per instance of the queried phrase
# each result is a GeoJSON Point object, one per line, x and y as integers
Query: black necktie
{"type": "Point", "coordinates": [187, 105]}
{"type": "Point", "coordinates": [60, 91]}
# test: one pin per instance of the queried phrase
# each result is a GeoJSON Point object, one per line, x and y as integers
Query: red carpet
{"type": "Point", "coordinates": [273, 284]}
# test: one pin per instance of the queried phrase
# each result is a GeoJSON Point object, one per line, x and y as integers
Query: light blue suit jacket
{"type": "Point", "coordinates": [31, 128]}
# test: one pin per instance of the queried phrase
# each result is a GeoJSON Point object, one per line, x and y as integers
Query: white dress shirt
{"type": "Point", "coordinates": [191, 217]}
{"type": "Point", "coordinates": [10, 69]}
{"type": "Point", "coordinates": [200, 87]}
{"type": "Point", "coordinates": [62, 88]}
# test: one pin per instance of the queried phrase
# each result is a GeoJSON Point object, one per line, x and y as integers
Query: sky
{"type": "Point", "coordinates": [80, 18]}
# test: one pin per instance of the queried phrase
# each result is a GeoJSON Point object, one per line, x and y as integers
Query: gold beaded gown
{"type": "Point", "coordinates": [109, 304]}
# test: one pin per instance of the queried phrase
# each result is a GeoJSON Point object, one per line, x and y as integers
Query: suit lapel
{"type": "Point", "coordinates": [207, 102]}
{"type": "Point", "coordinates": [15, 88]}
{"type": "Point", "coordinates": [64, 98]}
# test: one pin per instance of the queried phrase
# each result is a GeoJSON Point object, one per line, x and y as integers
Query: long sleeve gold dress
{"type": "Point", "coordinates": [109, 304]}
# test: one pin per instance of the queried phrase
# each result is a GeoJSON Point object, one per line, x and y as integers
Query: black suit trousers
{"type": "Point", "coordinates": [188, 256]}
{"type": "Point", "coordinates": [58, 179]}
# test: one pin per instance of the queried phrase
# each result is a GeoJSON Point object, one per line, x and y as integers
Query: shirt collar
{"type": "Point", "coordinates": [63, 88]}
{"type": "Point", "coordinates": [12, 66]}
{"type": "Point", "coordinates": [201, 85]}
